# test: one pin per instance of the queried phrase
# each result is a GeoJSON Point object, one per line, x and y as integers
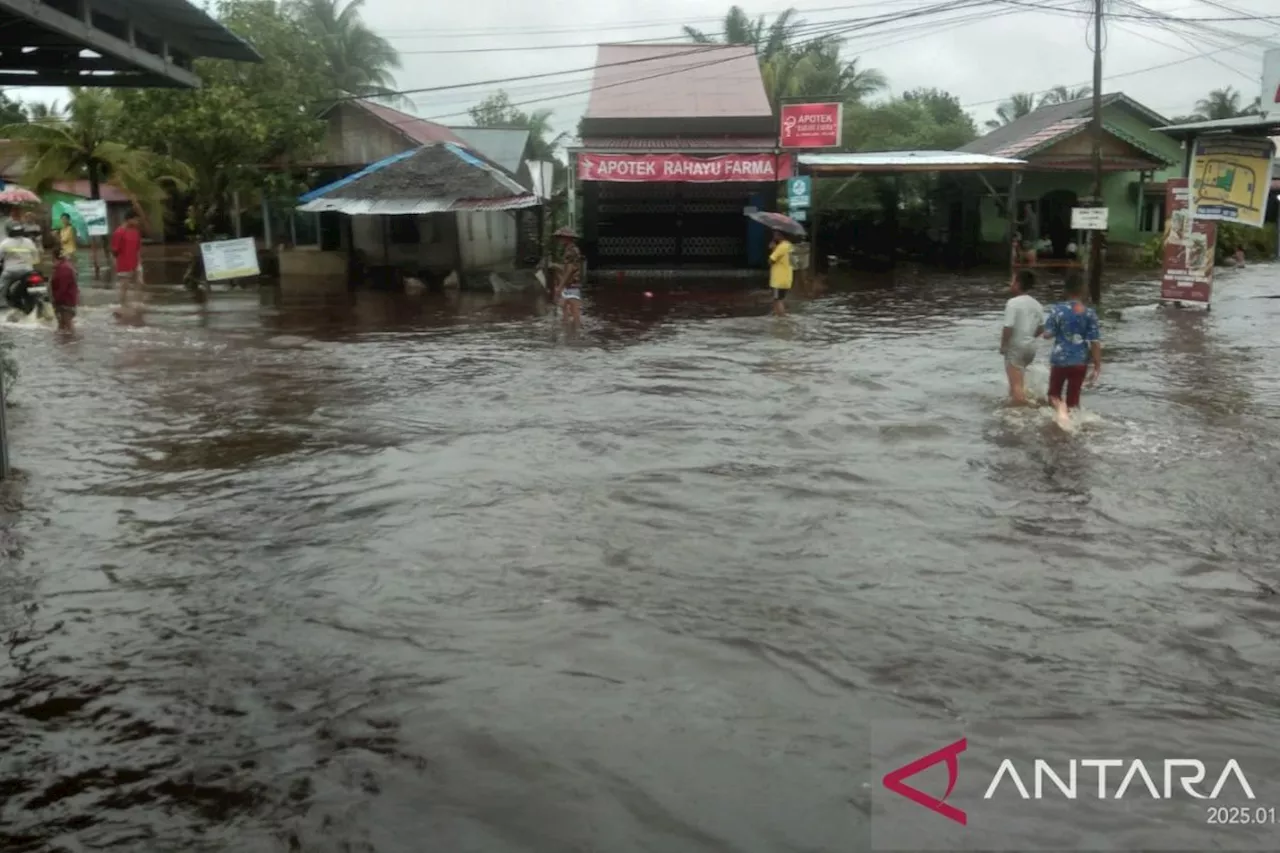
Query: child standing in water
{"type": "Point", "coordinates": [1077, 341]}
{"type": "Point", "coordinates": [1023, 324]}
{"type": "Point", "coordinates": [781, 274]}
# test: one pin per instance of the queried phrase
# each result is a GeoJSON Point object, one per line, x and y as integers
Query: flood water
{"type": "Point", "coordinates": [306, 575]}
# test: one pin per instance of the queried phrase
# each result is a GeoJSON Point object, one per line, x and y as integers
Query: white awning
{"type": "Point", "coordinates": [908, 161]}
{"type": "Point", "coordinates": [369, 207]}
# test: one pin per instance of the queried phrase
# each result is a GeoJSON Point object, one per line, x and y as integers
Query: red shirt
{"type": "Point", "coordinates": [64, 289]}
{"type": "Point", "coordinates": [126, 244]}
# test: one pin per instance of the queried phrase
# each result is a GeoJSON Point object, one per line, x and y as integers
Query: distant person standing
{"type": "Point", "coordinates": [1023, 324]}
{"type": "Point", "coordinates": [126, 246]}
{"type": "Point", "coordinates": [1029, 233]}
{"type": "Point", "coordinates": [67, 242]}
{"type": "Point", "coordinates": [569, 278]}
{"type": "Point", "coordinates": [1077, 340]}
{"type": "Point", "coordinates": [781, 273]}
{"type": "Point", "coordinates": [65, 291]}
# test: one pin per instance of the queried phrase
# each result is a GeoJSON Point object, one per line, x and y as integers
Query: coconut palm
{"type": "Point", "coordinates": [768, 40]}
{"type": "Point", "coordinates": [1018, 105]}
{"type": "Point", "coordinates": [80, 142]}
{"type": "Point", "coordinates": [1224, 103]}
{"type": "Point", "coordinates": [360, 61]}
{"type": "Point", "coordinates": [1064, 95]}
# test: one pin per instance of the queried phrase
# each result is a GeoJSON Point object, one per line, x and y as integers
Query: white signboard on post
{"type": "Point", "coordinates": [94, 214]}
{"type": "Point", "coordinates": [226, 259]}
{"type": "Point", "coordinates": [1089, 218]}
{"type": "Point", "coordinates": [1271, 81]}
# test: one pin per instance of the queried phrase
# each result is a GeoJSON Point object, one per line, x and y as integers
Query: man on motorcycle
{"type": "Point", "coordinates": [18, 255]}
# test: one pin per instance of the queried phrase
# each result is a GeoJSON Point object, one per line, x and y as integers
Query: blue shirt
{"type": "Point", "coordinates": [1072, 333]}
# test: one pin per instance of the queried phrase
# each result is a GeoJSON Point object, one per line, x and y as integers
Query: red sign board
{"type": "Point", "coordinates": [682, 168]}
{"type": "Point", "coordinates": [1189, 246]}
{"type": "Point", "coordinates": [811, 125]}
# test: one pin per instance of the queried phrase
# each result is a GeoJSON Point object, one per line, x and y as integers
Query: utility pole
{"type": "Point", "coordinates": [1095, 243]}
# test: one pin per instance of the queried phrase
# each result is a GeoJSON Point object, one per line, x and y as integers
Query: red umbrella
{"type": "Point", "coordinates": [14, 194]}
{"type": "Point", "coordinates": [778, 222]}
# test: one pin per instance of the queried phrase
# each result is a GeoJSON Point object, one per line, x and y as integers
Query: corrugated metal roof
{"type": "Point", "coordinates": [1043, 137]}
{"type": "Point", "coordinates": [106, 192]}
{"type": "Point", "coordinates": [503, 145]}
{"type": "Point", "coordinates": [639, 81]}
{"type": "Point", "coordinates": [408, 207]}
{"type": "Point", "coordinates": [1271, 123]}
{"type": "Point", "coordinates": [189, 25]}
{"type": "Point", "coordinates": [1046, 125]}
{"type": "Point", "coordinates": [419, 130]}
{"type": "Point", "coordinates": [918, 161]}
{"type": "Point", "coordinates": [680, 143]}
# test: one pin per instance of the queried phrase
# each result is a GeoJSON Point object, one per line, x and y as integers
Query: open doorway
{"type": "Point", "coordinates": [1055, 220]}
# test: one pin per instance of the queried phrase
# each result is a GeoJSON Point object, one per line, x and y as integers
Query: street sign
{"type": "Point", "coordinates": [799, 215]}
{"type": "Point", "coordinates": [1089, 218]}
{"type": "Point", "coordinates": [799, 192]}
{"type": "Point", "coordinates": [811, 125]}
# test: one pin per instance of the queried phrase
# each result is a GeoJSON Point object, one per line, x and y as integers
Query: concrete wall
{"type": "Point", "coordinates": [435, 248]}
{"type": "Point", "coordinates": [310, 261]}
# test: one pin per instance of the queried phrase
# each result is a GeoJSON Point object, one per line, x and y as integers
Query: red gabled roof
{"type": "Point", "coordinates": [646, 81]}
{"type": "Point", "coordinates": [682, 143]}
{"type": "Point", "coordinates": [106, 192]}
{"type": "Point", "coordinates": [417, 129]}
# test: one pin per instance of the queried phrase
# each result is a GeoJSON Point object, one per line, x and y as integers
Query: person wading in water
{"type": "Point", "coordinates": [568, 290]}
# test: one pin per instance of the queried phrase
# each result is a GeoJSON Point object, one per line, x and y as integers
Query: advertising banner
{"type": "Point", "coordinates": [93, 212]}
{"type": "Point", "coordinates": [1231, 178]}
{"type": "Point", "coordinates": [811, 125]}
{"type": "Point", "coordinates": [799, 192]}
{"type": "Point", "coordinates": [683, 168]}
{"type": "Point", "coordinates": [1189, 245]}
{"type": "Point", "coordinates": [226, 259]}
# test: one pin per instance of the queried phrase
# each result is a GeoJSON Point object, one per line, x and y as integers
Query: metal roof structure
{"type": "Point", "coordinates": [845, 163]}
{"type": "Point", "coordinates": [110, 43]}
{"type": "Point", "coordinates": [503, 145]}
{"type": "Point", "coordinates": [693, 89]}
{"type": "Point", "coordinates": [1049, 125]}
{"type": "Point", "coordinates": [603, 144]}
{"type": "Point", "coordinates": [414, 129]}
{"type": "Point", "coordinates": [437, 178]}
{"type": "Point", "coordinates": [1265, 125]}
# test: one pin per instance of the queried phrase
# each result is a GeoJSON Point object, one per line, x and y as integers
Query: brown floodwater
{"type": "Point", "coordinates": [371, 574]}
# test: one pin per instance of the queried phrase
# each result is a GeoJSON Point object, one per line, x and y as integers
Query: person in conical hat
{"type": "Point", "coordinates": [569, 279]}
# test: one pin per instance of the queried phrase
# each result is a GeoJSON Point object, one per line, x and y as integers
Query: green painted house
{"type": "Point", "coordinates": [1055, 141]}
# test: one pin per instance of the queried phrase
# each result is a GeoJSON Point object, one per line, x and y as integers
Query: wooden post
{"type": "Point", "coordinates": [4, 429]}
{"type": "Point", "coordinates": [1014, 177]}
{"type": "Point", "coordinates": [266, 224]}
{"type": "Point", "coordinates": [1095, 245]}
{"type": "Point", "coordinates": [235, 212]}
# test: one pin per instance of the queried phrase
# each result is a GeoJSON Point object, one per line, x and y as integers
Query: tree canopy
{"type": "Point", "coordinates": [544, 144]}
{"type": "Point", "coordinates": [358, 61]}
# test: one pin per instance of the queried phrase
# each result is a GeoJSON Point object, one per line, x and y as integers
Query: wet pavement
{"type": "Point", "coordinates": [384, 575]}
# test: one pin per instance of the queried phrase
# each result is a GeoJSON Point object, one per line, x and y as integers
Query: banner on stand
{"type": "Point", "coordinates": [1189, 245]}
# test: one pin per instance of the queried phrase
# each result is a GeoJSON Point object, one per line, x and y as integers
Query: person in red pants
{"type": "Point", "coordinates": [1077, 341]}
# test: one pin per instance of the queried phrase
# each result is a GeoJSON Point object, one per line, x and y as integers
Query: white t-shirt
{"type": "Point", "coordinates": [19, 254]}
{"type": "Point", "coordinates": [1024, 315]}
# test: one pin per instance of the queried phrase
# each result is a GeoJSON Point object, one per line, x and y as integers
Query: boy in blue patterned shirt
{"type": "Point", "coordinates": [1077, 341]}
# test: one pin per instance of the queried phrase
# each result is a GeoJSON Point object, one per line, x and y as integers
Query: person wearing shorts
{"type": "Point", "coordinates": [1023, 324]}
{"type": "Point", "coordinates": [569, 281]}
{"type": "Point", "coordinates": [781, 274]}
{"type": "Point", "coordinates": [1077, 341]}
{"type": "Point", "coordinates": [126, 246]}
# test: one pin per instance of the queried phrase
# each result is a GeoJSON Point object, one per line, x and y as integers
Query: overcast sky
{"type": "Point", "coordinates": [980, 56]}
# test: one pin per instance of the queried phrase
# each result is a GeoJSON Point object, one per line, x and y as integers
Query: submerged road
{"type": "Point", "coordinates": [297, 576]}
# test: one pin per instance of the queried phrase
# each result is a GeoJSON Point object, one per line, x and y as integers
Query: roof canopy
{"type": "Point", "coordinates": [133, 43]}
{"type": "Point", "coordinates": [1268, 125]}
{"type": "Point", "coordinates": [437, 178]}
{"type": "Point", "coordinates": [668, 88]}
{"type": "Point", "coordinates": [1049, 125]}
{"type": "Point", "coordinates": [906, 161]}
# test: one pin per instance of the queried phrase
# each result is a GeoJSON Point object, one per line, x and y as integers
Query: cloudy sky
{"type": "Point", "coordinates": [981, 54]}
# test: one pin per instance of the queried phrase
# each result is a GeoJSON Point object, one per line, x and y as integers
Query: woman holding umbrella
{"type": "Point", "coordinates": [781, 275]}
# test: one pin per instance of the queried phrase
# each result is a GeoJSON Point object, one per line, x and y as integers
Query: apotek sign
{"type": "Point", "coordinates": [683, 168]}
{"type": "Point", "coordinates": [811, 125]}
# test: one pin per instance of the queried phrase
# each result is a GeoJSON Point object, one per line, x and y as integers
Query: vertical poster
{"type": "Point", "coordinates": [1189, 245]}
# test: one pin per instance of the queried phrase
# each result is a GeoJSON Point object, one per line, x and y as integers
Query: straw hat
{"type": "Point", "coordinates": [566, 232]}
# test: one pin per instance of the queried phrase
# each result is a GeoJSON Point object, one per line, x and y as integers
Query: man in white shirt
{"type": "Point", "coordinates": [1023, 323]}
{"type": "Point", "coordinates": [19, 256]}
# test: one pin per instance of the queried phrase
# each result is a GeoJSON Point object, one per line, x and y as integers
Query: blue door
{"type": "Point", "coordinates": [757, 236]}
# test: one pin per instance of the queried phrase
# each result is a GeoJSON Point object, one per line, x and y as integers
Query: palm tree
{"type": "Point", "coordinates": [768, 40]}
{"type": "Point", "coordinates": [1063, 95]}
{"type": "Point", "coordinates": [1018, 105]}
{"type": "Point", "coordinates": [1224, 103]}
{"type": "Point", "coordinates": [360, 61]}
{"type": "Point", "coordinates": [81, 142]}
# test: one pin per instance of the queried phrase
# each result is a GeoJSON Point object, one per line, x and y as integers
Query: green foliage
{"type": "Point", "coordinates": [11, 111]}
{"type": "Point", "coordinates": [498, 111]}
{"type": "Point", "coordinates": [248, 121]}
{"type": "Point", "coordinates": [1151, 255]}
{"type": "Point", "coordinates": [1019, 104]}
{"type": "Point", "coordinates": [84, 142]}
{"type": "Point", "coordinates": [1258, 243]}
{"type": "Point", "coordinates": [358, 60]}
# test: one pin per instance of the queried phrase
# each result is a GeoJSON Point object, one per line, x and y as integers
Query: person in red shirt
{"type": "Point", "coordinates": [65, 291]}
{"type": "Point", "coordinates": [126, 245]}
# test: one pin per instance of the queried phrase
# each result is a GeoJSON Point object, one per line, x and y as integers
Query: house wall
{"type": "Point", "coordinates": [487, 239]}
{"type": "Point", "coordinates": [353, 136]}
{"type": "Point", "coordinates": [435, 249]}
{"type": "Point", "coordinates": [1120, 190]}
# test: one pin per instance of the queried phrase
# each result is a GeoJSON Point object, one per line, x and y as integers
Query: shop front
{"type": "Point", "coordinates": [663, 211]}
